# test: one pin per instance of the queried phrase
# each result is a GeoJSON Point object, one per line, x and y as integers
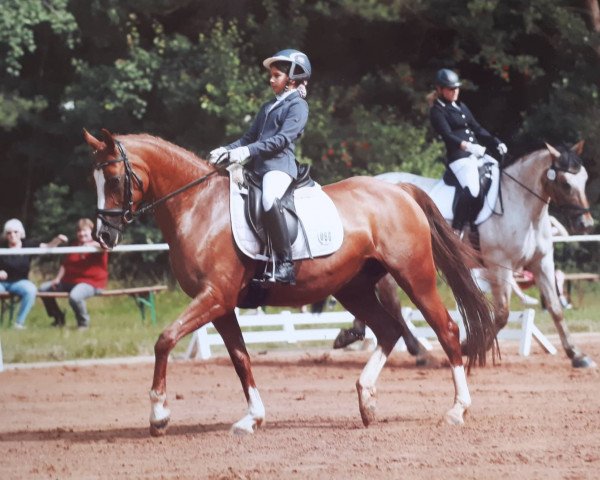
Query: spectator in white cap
{"type": "Point", "coordinates": [14, 269]}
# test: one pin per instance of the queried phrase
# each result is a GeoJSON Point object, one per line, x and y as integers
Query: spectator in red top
{"type": "Point", "coordinates": [83, 275]}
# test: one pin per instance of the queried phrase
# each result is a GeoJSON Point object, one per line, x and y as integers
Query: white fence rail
{"type": "Point", "coordinates": [156, 247]}
{"type": "Point", "coordinates": [325, 327]}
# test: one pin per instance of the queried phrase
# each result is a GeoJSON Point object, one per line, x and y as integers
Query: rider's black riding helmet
{"type": "Point", "coordinates": [447, 78]}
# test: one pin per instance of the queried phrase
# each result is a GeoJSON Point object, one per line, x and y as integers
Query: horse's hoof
{"type": "Point", "coordinates": [159, 429]}
{"type": "Point", "coordinates": [367, 405]}
{"type": "Point", "coordinates": [454, 416]}
{"type": "Point", "coordinates": [583, 361]}
{"type": "Point", "coordinates": [425, 360]}
{"type": "Point", "coordinates": [347, 337]}
{"type": "Point", "coordinates": [246, 426]}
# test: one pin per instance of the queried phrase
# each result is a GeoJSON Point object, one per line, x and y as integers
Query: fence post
{"type": "Point", "coordinates": [288, 326]}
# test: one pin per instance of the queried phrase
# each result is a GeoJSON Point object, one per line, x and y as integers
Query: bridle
{"type": "Point", "coordinates": [551, 174]}
{"type": "Point", "coordinates": [126, 213]}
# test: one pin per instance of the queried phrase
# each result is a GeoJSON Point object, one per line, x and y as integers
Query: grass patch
{"type": "Point", "coordinates": [117, 330]}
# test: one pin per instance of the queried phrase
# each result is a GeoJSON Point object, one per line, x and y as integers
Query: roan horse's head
{"type": "Point", "coordinates": [565, 183]}
{"type": "Point", "coordinates": [118, 186]}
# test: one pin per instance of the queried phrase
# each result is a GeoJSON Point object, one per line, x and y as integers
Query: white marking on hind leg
{"type": "Point", "coordinates": [462, 398]}
{"type": "Point", "coordinates": [365, 385]}
{"type": "Point", "coordinates": [255, 416]}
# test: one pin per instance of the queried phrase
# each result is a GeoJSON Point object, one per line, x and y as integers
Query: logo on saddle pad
{"type": "Point", "coordinates": [317, 214]}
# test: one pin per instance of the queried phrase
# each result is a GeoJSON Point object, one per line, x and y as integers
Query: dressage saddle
{"type": "Point", "coordinates": [465, 207]}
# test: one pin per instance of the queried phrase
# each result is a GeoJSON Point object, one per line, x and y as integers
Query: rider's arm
{"type": "Point", "coordinates": [481, 133]}
{"type": "Point", "coordinates": [442, 127]}
{"type": "Point", "coordinates": [290, 130]}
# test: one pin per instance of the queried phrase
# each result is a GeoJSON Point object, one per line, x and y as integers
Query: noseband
{"type": "Point", "coordinates": [126, 213]}
{"type": "Point", "coordinates": [552, 175]}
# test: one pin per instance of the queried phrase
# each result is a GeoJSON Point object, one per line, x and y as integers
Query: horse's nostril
{"type": "Point", "coordinates": [105, 237]}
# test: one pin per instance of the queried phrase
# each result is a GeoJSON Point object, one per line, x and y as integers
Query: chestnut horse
{"type": "Point", "coordinates": [191, 203]}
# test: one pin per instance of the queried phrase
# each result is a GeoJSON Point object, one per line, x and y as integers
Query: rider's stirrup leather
{"type": "Point", "coordinates": [280, 240]}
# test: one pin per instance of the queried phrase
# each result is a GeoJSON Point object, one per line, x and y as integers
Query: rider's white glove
{"type": "Point", "coordinates": [502, 149]}
{"type": "Point", "coordinates": [215, 154]}
{"type": "Point", "coordinates": [475, 149]}
{"type": "Point", "coordinates": [239, 155]}
{"type": "Point", "coordinates": [236, 172]}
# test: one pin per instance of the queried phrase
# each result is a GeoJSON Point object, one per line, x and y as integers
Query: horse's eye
{"type": "Point", "coordinates": [565, 186]}
{"type": "Point", "coordinates": [113, 182]}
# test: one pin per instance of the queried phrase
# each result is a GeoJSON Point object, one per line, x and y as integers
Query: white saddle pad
{"type": "Point", "coordinates": [443, 195]}
{"type": "Point", "coordinates": [316, 210]}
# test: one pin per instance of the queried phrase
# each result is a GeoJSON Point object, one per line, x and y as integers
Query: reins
{"type": "Point", "coordinates": [555, 168]}
{"type": "Point", "coordinates": [126, 213]}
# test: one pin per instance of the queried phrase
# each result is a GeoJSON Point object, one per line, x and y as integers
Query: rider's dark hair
{"type": "Point", "coordinates": [285, 66]}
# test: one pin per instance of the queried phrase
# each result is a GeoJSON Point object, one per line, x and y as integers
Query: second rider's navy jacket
{"type": "Point", "coordinates": [271, 137]}
{"type": "Point", "coordinates": [455, 123]}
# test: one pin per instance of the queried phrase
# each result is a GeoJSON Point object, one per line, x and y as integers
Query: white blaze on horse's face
{"type": "Point", "coordinates": [100, 182]}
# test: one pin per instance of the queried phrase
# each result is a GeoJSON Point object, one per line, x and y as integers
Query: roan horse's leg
{"type": "Point", "coordinates": [546, 282]}
{"type": "Point", "coordinates": [229, 329]}
{"type": "Point", "coordinates": [199, 312]}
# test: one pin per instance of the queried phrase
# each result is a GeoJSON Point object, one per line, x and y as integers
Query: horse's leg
{"type": "Point", "coordinates": [501, 285]}
{"type": "Point", "coordinates": [419, 283]}
{"type": "Point", "coordinates": [387, 293]}
{"type": "Point", "coordinates": [229, 329]}
{"type": "Point", "coordinates": [203, 309]}
{"type": "Point", "coordinates": [545, 280]}
{"type": "Point", "coordinates": [359, 298]}
{"type": "Point", "coordinates": [388, 297]}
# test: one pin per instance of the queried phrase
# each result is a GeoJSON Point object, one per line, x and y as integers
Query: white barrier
{"type": "Point", "coordinates": [287, 332]}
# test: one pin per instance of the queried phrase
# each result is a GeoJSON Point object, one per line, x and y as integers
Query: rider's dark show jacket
{"type": "Point", "coordinates": [455, 123]}
{"type": "Point", "coordinates": [271, 137]}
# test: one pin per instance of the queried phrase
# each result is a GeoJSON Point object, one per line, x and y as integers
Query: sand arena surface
{"type": "Point", "coordinates": [531, 418]}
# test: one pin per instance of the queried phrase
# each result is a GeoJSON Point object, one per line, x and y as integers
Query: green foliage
{"type": "Point", "coordinates": [192, 74]}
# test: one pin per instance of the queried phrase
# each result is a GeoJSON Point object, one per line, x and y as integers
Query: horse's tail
{"type": "Point", "coordinates": [454, 259]}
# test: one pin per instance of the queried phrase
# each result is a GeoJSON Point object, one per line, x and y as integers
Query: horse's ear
{"type": "Point", "coordinates": [92, 141]}
{"type": "Point", "coordinates": [553, 151]}
{"type": "Point", "coordinates": [108, 139]}
{"type": "Point", "coordinates": [578, 147]}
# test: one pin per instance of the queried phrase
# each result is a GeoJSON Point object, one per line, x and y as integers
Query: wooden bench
{"type": "Point", "coordinates": [143, 297]}
{"type": "Point", "coordinates": [570, 278]}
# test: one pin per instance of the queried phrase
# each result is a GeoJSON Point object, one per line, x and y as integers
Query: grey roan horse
{"type": "Point", "coordinates": [519, 237]}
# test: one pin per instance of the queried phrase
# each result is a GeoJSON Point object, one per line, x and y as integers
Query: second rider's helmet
{"type": "Point", "coordinates": [300, 69]}
{"type": "Point", "coordinates": [447, 78]}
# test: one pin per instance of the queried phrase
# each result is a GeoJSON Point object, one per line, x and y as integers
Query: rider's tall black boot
{"type": "Point", "coordinates": [280, 240]}
{"type": "Point", "coordinates": [462, 209]}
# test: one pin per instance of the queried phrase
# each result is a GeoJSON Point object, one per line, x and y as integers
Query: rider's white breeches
{"type": "Point", "coordinates": [274, 185]}
{"type": "Point", "coordinates": [466, 171]}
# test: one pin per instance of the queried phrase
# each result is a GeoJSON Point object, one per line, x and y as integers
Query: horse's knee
{"type": "Point", "coordinates": [165, 343]}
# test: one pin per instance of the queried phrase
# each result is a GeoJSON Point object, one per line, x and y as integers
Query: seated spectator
{"type": "Point", "coordinates": [83, 275]}
{"type": "Point", "coordinates": [14, 269]}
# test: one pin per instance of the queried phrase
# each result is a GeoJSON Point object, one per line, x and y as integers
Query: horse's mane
{"type": "Point", "coordinates": [151, 142]}
{"type": "Point", "coordinates": [568, 160]}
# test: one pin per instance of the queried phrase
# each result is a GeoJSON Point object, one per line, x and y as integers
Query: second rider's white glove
{"type": "Point", "coordinates": [475, 149]}
{"type": "Point", "coordinates": [502, 149]}
{"type": "Point", "coordinates": [215, 155]}
{"type": "Point", "coordinates": [239, 155]}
